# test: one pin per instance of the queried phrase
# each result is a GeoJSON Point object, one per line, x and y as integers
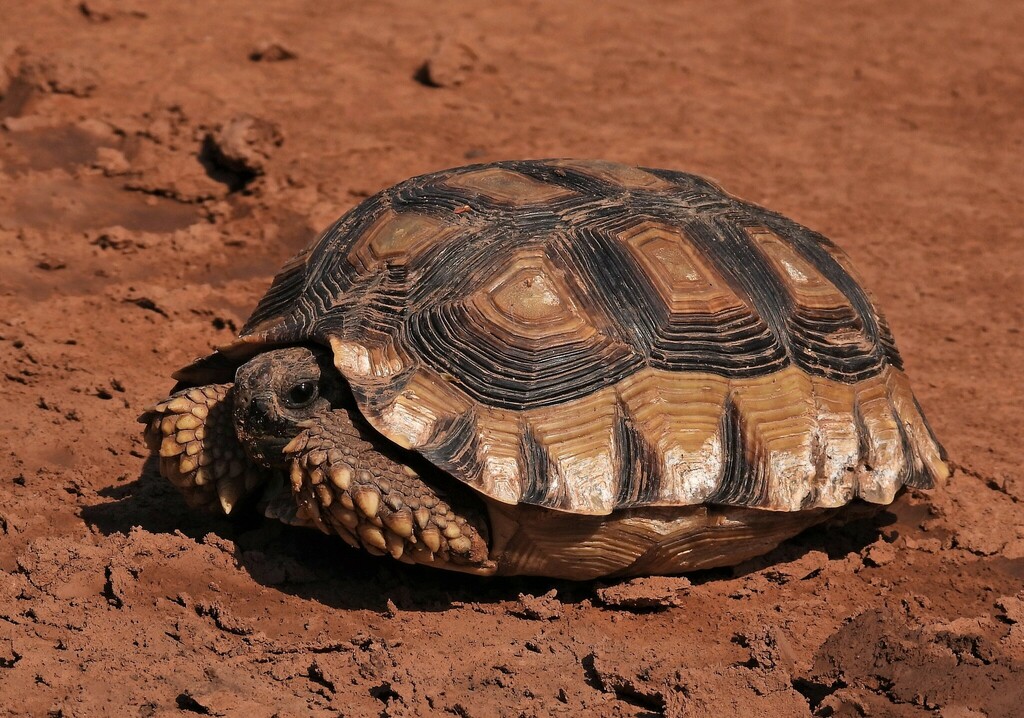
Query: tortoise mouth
{"type": "Point", "coordinates": [267, 451]}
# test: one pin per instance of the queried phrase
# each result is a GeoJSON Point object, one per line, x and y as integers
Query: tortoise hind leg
{"type": "Point", "coordinates": [350, 482]}
{"type": "Point", "coordinates": [193, 433]}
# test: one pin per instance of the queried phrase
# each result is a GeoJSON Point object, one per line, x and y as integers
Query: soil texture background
{"type": "Point", "coordinates": [160, 160]}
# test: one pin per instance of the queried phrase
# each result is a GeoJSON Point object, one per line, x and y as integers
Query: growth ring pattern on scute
{"type": "Point", "coordinates": [588, 336]}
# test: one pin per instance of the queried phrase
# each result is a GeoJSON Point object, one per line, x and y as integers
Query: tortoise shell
{"type": "Point", "coordinates": [587, 336]}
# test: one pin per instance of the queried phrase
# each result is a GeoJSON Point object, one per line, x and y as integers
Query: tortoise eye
{"type": "Point", "coordinates": [302, 393]}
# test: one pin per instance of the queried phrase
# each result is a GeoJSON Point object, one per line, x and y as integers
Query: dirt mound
{"type": "Point", "coordinates": [159, 163]}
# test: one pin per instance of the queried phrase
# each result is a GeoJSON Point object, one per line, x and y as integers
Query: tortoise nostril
{"type": "Point", "coordinates": [260, 408]}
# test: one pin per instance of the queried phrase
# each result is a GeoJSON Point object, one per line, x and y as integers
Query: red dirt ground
{"type": "Point", "coordinates": [127, 249]}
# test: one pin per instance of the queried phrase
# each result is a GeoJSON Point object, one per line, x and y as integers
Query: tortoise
{"type": "Point", "coordinates": [566, 368]}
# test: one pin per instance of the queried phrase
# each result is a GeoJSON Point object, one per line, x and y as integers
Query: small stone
{"type": "Point", "coordinates": [928, 545]}
{"type": "Point", "coordinates": [979, 540]}
{"type": "Point", "coordinates": [10, 65]}
{"type": "Point", "coordinates": [27, 123]}
{"type": "Point", "coordinates": [106, 10]}
{"type": "Point", "coordinates": [60, 75]}
{"type": "Point", "coordinates": [450, 65]}
{"type": "Point", "coordinates": [244, 144]}
{"type": "Point", "coordinates": [111, 162]}
{"type": "Point", "coordinates": [9, 654]}
{"type": "Point", "coordinates": [654, 593]}
{"type": "Point", "coordinates": [879, 554]}
{"type": "Point", "coordinates": [539, 608]}
{"type": "Point", "coordinates": [271, 51]}
{"type": "Point", "coordinates": [1012, 608]}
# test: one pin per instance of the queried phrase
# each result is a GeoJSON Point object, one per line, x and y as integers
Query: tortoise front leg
{"type": "Point", "coordinates": [351, 486]}
{"type": "Point", "coordinates": [193, 433]}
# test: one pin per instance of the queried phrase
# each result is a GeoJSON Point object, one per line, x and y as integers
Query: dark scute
{"type": "Point", "coordinates": [537, 472]}
{"type": "Point", "coordinates": [455, 445]}
{"type": "Point", "coordinates": [616, 285]}
{"type": "Point", "coordinates": [501, 374]}
{"type": "Point", "coordinates": [818, 250]}
{"type": "Point", "coordinates": [567, 177]}
{"type": "Point", "coordinates": [742, 481]}
{"type": "Point", "coordinates": [639, 478]}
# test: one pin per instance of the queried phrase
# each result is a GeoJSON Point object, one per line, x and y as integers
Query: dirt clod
{"type": "Point", "coordinates": [100, 11]}
{"type": "Point", "coordinates": [539, 608]}
{"type": "Point", "coordinates": [271, 51]}
{"type": "Point", "coordinates": [879, 553]}
{"type": "Point", "coordinates": [450, 64]}
{"type": "Point", "coordinates": [63, 75]}
{"type": "Point", "coordinates": [645, 594]}
{"type": "Point", "coordinates": [243, 145]}
{"type": "Point", "coordinates": [1012, 607]}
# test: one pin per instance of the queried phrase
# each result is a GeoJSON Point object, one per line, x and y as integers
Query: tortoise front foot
{"type": "Point", "coordinates": [194, 434]}
{"type": "Point", "coordinates": [372, 501]}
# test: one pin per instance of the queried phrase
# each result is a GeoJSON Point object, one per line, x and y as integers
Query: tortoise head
{"type": "Point", "coordinates": [277, 393]}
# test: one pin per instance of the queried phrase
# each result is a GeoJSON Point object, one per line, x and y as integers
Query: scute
{"type": "Point", "coordinates": [587, 337]}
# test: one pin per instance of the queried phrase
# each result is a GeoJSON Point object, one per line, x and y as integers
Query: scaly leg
{"type": "Point", "coordinates": [349, 482]}
{"type": "Point", "coordinates": [194, 434]}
